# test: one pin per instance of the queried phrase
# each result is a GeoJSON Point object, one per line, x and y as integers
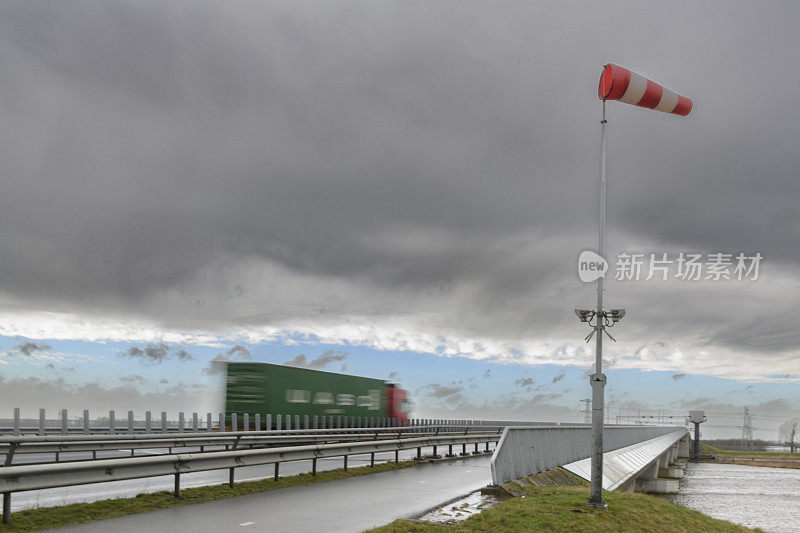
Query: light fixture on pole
{"type": "Point", "coordinates": [616, 83]}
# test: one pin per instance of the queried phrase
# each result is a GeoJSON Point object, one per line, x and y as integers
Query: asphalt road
{"type": "Point", "coordinates": [347, 505]}
{"type": "Point", "coordinates": [130, 488]}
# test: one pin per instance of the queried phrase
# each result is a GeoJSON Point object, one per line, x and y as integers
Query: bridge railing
{"type": "Point", "coordinates": [523, 451]}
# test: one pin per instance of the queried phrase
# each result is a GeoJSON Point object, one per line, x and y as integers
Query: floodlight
{"type": "Point", "coordinates": [584, 314]}
{"type": "Point", "coordinates": [617, 314]}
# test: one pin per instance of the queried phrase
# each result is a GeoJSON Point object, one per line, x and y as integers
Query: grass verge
{"type": "Point", "coordinates": [77, 513]}
{"type": "Point", "coordinates": [705, 448]}
{"type": "Point", "coordinates": [563, 509]}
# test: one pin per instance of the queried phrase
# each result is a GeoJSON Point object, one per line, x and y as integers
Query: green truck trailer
{"type": "Point", "coordinates": [284, 390]}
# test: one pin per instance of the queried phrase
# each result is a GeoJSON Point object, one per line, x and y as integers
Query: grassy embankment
{"type": "Point", "coordinates": [51, 517]}
{"type": "Point", "coordinates": [563, 509]}
{"type": "Point", "coordinates": [764, 459]}
{"type": "Point", "coordinates": [705, 448]}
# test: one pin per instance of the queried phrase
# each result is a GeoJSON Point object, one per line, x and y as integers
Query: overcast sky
{"type": "Point", "coordinates": [407, 183]}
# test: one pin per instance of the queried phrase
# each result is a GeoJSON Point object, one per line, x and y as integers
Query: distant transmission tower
{"type": "Point", "coordinates": [587, 411]}
{"type": "Point", "coordinates": [747, 431]}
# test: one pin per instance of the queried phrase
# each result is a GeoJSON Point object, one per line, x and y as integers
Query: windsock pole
{"type": "Point", "coordinates": [598, 379]}
{"type": "Point", "coordinates": [616, 83]}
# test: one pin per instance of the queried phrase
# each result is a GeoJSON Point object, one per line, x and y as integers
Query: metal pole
{"type": "Point", "coordinates": [696, 441]}
{"type": "Point", "coordinates": [598, 379]}
{"type": "Point", "coordinates": [6, 507]}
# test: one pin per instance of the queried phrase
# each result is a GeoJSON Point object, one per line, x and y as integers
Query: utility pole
{"type": "Point", "coordinates": [747, 431]}
{"type": "Point", "coordinates": [587, 411]}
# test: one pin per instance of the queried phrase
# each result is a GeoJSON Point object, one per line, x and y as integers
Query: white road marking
{"type": "Point", "coordinates": [245, 524]}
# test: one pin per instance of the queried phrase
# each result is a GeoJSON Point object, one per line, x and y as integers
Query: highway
{"type": "Point", "coordinates": [347, 505]}
{"type": "Point", "coordinates": [130, 488]}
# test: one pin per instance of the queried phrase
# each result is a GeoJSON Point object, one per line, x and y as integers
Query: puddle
{"type": "Point", "coordinates": [460, 509]}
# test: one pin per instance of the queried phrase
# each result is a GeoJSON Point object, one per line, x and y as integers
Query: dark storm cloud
{"type": "Point", "coordinates": [211, 167]}
{"type": "Point", "coordinates": [156, 353]}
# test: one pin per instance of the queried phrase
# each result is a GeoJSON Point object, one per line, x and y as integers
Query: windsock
{"type": "Point", "coordinates": [618, 83]}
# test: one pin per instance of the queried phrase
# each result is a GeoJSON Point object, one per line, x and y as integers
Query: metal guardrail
{"type": "Point", "coordinates": [523, 451]}
{"type": "Point", "coordinates": [13, 445]}
{"type": "Point", "coordinates": [17, 478]}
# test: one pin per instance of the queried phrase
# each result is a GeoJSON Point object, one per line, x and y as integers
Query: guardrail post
{"type": "Point", "coordinates": [111, 428]}
{"type": "Point", "coordinates": [257, 423]}
{"type": "Point", "coordinates": [419, 454]}
{"type": "Point", "coordinates": [314, 466]}
{"type": "Point", "coordinates": [86, 421]}
{"type": "Point", "coordinates": [64, 422]}
{"type": "Point", "coordinates": [358, 421]}
{"type": "Point", "coordinates": [269, 422]}
{"type": "Point", "coordinates": [352, 421]}
{"type": "Point", "coordinates": [181, 421]}
{"type": "Point", "coordinates": [209, 422]}
{"type": "Point", "coordinates": [163, 421]}
{"type": "Point", "coordinates": [330, 422]}
{"type": "Point", "coordinates": [222, 421]}
{"type": "Point", "coordinates": [288, 422]}
{"type": "Point", "coordinates": [277, 465]}
{"type": "Point", "coordinates": [345, 463]}
{"type": "Point", "coordinates": [278, 421]}
{"type": "Point", "coordinates": [315, 421]}
{"type": "Point", "coordinates": [195, 422]}
{"type": "Point", "coordinates": [231, 477]}
{"type": "Point", "coordinates": [234, 422]}
{"type": "Point", "coordinates": [296, 421]}
{"type": "Point", "coordinates": [397, 456]}
{"type": "Point", "coordinates": [41, 422]}
{"type": "Point", "coordinates": [6, 507]}
{"type": "Point", "coordinates": [338, 422]}
{"type": "Point", "coordinates": [16, 421]}
{"type": "Point", "coordinates": [372, 460]}
{"type": "Point", "coordinates": [177, 484]}
{"type": "Point", "coordinates": [305, 421]}
{"type": "Point", "coordinates": [246, 422]}
{"type": "Point", "coordinates": [148, 422]}
{"type": "Point", "coordinates": [130, 422]}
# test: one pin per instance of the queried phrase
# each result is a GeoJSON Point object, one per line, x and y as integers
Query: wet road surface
{"type": "Point", "coordinates": [346, 505]}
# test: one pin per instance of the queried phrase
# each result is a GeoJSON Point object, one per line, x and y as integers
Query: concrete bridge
{"type": "Point", "coordinates": [645, 459]}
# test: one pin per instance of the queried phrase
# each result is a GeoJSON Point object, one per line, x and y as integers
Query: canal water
{"type": "Point", "coordinates": [752, 496]}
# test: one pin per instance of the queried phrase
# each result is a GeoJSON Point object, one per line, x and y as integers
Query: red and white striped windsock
{"type": "Point", "coordinates": [618, 83]}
